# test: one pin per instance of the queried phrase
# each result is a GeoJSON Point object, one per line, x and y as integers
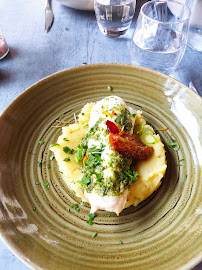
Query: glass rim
{"type": "Point", "coordinates": [163, 1]}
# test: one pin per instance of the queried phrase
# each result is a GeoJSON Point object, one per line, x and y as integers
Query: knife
{"type": "Point", "coordinates": [48, 15]}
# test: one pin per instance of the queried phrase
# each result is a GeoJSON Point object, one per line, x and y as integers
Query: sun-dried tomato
{"type": "Point", "coordinates": [130, 146]}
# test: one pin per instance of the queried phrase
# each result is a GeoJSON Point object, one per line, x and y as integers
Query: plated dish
{"type": "Point", "coordinates": [46, 225]}
{"type": "Point", "coordinates": [110, 157]}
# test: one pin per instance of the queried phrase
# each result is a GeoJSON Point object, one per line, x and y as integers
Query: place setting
{"type": "Point", "coordinates": [100, 164]}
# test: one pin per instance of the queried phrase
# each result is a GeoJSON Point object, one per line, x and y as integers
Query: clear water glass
{"type": "Point", "coordinates": [160, 36]}
{"type": "Point", "coordinates": [195, 30]}
{"type": "Point", "coordinates": [114, 16]}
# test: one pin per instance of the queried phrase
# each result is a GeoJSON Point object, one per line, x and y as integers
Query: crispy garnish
{"type": "Point", "coordinates": [109, 114]}
{"type": "Point", "coordinates": [73, 130]}
{"type": "Point", "coordinates": [162, 129]}
{"type": "Point", "coordinates": [85, 158]}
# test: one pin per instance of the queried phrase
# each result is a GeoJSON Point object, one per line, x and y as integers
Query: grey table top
{"type": "Point", "coordinates": [73, 40]}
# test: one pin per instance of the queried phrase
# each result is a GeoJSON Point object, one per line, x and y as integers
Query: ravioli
{"type": "Point", "coordinates": [100, 175]}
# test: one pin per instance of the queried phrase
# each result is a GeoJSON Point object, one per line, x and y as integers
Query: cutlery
{"type": "Point", "coordinates": [48, 15]}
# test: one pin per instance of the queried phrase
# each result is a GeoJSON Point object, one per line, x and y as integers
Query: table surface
{"type": "Point", "coordinates": [73, 40]}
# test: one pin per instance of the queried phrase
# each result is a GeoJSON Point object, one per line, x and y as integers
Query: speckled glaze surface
{"type": "Point", "coordinates": [163, 232]}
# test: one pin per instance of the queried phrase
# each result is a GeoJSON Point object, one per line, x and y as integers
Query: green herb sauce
{"type": "Point", "coordinates": [106, 172]}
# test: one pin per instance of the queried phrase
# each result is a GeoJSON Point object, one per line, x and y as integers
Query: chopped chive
{"type": "Point", "coordinates": [76, 207]}
{"type": "Point", "coordinates": [37, 183]}
{"type": "Point", "coordinates": [89, 222]}
{"type": "Point", "coordinates": [48, 166]}
{"type": "Point", "coordinates": [134, 115]}
{"type": "Point", "coordinates": [66, 159]}
{"type": "Point", "coordinates": [68, 209]}
{"type": "Point", "coordinates": [181, 159]}
{"type": "Point", "coordinates": [41, 142]}
{"type": "Point", "coordinates": [91, 218]}
{"type": "Point", "coordinates": [34, 208]}
{"type": "Point", "coordinates": [82, 113]}
{"type": "Point", "coordinates": [65, 139]}
{"type": "Point", "coordinates": [94, 235]}
{"type": "Point", "coordinates": [109, 88]}
{"type": "Point", "coordinates": [60, 172]}
{"type": "Point", "coordinates": [47, 185]}
{"type": "Point", "coordinates": [178, 164]}
{"type": "Point", "coordinates": [186, 176]}
{"type": "Point", "coordinates": [120, 242]}
{"type": "Point", "coordinates": [52, 157]}
{"type": "Point", "coordinates": [174, 146]}
{"type": "Point", "coordinates": [56, 144]}
{"type": "Point", "coordinates": [82, 203]}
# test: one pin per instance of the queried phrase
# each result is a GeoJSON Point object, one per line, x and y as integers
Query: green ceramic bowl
{"type": "Point", "coordinates": [37, 222]}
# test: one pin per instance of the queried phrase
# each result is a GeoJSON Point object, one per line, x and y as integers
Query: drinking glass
{"type": "Point", "coordinates": [160, 37]}
{"type": "Point", "coordinates": [114, 16]}
{"type": "Point", "coordinates": [195, 29]}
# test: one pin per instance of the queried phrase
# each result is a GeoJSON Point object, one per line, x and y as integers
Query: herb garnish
{"type": "Point", "coordinates": [120, 242]}
{"type": "Point", "coordinates": [94, 235]}
{"type": "Point", "coordinates": [76, 207]}
{"type": "Point", "coordinates": [34, 208]}
{"type": "Point", "coordinates": [65, 139]}
{"type": "Point", "coordinates": [56, 144]}
{"type": "Point", "coordinates": [66, 149]}
{"type": "Point", "coordinates": [91, 218]}
{"type": "Point", "coordinates": [66, 159]}
{"type": "Point", "coordinates": [173, 145]}
{"type": "Point", "coordinates": [118, 120]}
{"type": "Point", "coordinates": [84, 181]}
{"type": "Point", "coordinates": [37, 183]}
{"type": "Point", "coordinates": [78, 154]}
{"type": "Point", "coordinates": [48, 166]}
{"type": "Point", "coordinates": [47, 185]}
{"type": "Point", "coordinates": [179, 164]}
{"type": "Point", "coordinates": [41, 142]}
